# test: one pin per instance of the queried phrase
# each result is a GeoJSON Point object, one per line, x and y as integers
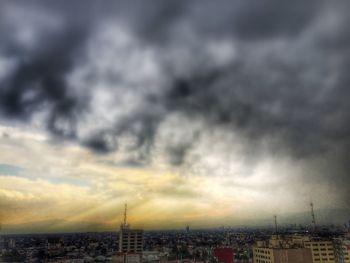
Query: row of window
{"type": "Point", "coordinates": [262, 251]}
{"type": "Point", "coordinates": [319, 244]}
{"type": "Point", "coordinates": [262, 256]}
{"type": "Point", "coordinates": [262, 261]}
{"type": "Point", "coordinates": [321, 249]}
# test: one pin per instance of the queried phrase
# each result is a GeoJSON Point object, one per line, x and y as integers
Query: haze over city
{"type": "Point", "coordinates": [201, 113]}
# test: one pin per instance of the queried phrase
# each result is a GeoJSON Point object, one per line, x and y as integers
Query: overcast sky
{"type": "Point", "coordinates": [193, 112]}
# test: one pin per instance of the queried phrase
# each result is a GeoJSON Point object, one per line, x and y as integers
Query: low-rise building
{"type": "Point", "coordinates": [322, 250]}
{"type": "Point", "coordinates": [341, 250]}
{"type": "Point", "coordinates": [294, 249]}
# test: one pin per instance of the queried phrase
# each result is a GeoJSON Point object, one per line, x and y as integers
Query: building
{"type": "Point", "coordinates": [223, 254]}
{"type": "Point", "coordinates": [282, 255]}
{"type": "Point", "coordinates": [280, 250]}
{"type": "Point", "coordinates": [341, 250]}
{"type": "Point", "coordinates": [154, 257]}
{"type": "Point", "coordinates": [127, 258]}
{"type": "Point", "coordinates": [322, 250]}
{"type": "Point", "coordinates": [54, 246]}
{"type": "Point", "coordinates": [298, 247]}
{"type": "Point", "coordinates": [130, 240]}
{"type": "Point", "coordinates": [2, 245]}
{"type": "Point", "coordinates": [130, 243]}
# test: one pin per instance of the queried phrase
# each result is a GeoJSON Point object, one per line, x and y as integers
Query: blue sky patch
{"type": "Point", "coordinates": [8, 169]}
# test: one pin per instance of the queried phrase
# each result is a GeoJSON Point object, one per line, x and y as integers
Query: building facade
{"type": "Point", "coordinates": [130, 240]}
{"type": "Point", "coordinates": [341, 250]}
{"type": "Point", "coordinates": [224, 254]}
{"type": "Point", "coordinates": [322, 250]}
{"type": "Point", "coordinates": [282, 255]}
{"type": "Point", "coordinates": [296, 249]}
{"type": "Point", "coordinates": [130, 243]}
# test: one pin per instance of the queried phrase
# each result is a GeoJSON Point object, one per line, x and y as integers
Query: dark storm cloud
{"type": "Point", "coordinates": [100, 144]}
{"type": "Point", "coordinates": [254, 20]}
{"type": "Point", "coordinates": [39, 75]}
{"type": "Point", "coordinates": [287, 79]}
{"type": "Point", "coordinates": [40, 80]}
{"type": "Point", "coordinates": [252, 102]}
{"type": "Point", "coordinates": [42, 75]}
{"type": "Point", "coordinates": [43, 55]}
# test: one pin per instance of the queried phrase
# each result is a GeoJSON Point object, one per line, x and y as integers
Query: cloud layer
{"type": "Point", "coordinates": [212, 89]}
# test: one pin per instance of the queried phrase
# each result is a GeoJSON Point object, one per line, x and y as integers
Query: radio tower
{"type": "Point", "coordinates": [124, 224]}
{"type": "Point", "coordinates": [313, 216]}
{"type": "Point", "coordinates": [125, 210]}
{"type": "Point", "coordinates": [275, 224]}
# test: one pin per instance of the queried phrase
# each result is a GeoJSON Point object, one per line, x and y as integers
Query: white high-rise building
{"type": "Point", "coordinates": [130, 243]}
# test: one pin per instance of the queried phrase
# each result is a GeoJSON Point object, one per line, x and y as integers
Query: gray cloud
{"type": "Point", "coordinates": [107, 72]}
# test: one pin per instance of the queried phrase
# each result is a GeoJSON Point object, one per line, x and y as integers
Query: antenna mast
{"type": "Point", "coordinates": [125, 210]}
{"type": "Point", "coordinates": [275, 224]}
{"type": "Point", "coordinates": [313, 215]}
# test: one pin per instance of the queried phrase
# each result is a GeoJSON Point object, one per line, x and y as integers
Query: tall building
{"type": "Point", "coordinates": [130, 240]}
{"type": "Point", "coordinates": [130, 243]}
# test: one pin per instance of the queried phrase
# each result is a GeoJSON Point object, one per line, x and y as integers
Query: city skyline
{"type": "Point", "coordinates": [192, 112]}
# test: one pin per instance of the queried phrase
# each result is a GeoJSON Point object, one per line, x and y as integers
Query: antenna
{"type": "Point", "coordinates": [275, 224]}
{"type": "Point", "coordinates": [125, 210]}
{"type": "Point", "coordinates": [313, 215]}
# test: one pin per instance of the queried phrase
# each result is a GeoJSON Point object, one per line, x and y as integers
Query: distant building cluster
{"type": "Point", "coordinates": [290, 244]}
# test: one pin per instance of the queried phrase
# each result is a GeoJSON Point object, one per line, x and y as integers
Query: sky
{"type": "Point", "coordinates": [198, 112]}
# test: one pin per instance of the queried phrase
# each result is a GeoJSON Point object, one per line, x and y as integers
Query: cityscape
{"type": "Point", "coordinates": [295, 244]}
{"type": "Point", "coordinates": [180, 131]}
